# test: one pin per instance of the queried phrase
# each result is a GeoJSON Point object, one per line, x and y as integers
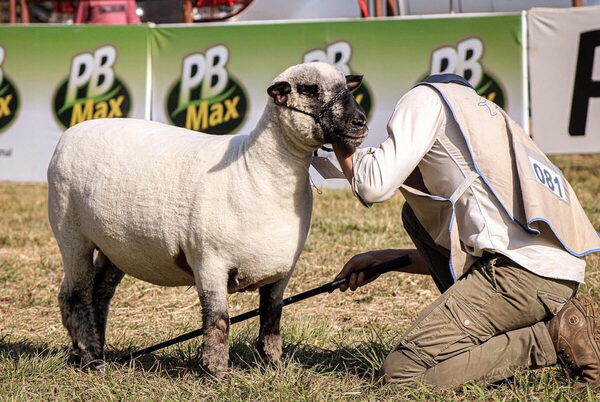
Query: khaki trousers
{"type": "Point", "coordinates": [483, 327]}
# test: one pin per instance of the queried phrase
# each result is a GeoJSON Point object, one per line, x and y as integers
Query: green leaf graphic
{"type": "Point", "coordinates": [100, 98]}
{"type": "Point", "coordinates": [211, 100]}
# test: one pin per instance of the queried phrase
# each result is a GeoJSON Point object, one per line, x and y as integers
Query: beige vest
{"type": "Point", "coordinates": [531, 189]}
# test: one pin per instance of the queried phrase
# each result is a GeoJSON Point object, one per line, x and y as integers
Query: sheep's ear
{"type": "Point", "coordinates": [279, 92]}
{"type": "Point", "coordinates": [353, 81]}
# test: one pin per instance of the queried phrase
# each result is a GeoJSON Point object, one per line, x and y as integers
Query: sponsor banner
{"type": "Point", "coordinates": [213, 78]}
{"type": "Point", "coordinates": [52, 77]}
{"type": "Point", "coordinates": [564, 58]}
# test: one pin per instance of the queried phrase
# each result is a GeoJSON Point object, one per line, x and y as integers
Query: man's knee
{"type": "Point", "coordinates": [402, 366]}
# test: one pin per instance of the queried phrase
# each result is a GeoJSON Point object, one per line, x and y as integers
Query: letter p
{"type": "Point", "coordinates": [81, 71]}
{"type": "Point", "coordinates": [585, 86]}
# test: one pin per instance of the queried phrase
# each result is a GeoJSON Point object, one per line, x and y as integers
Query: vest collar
{"type": "Point", "coordinates": [447, 78]}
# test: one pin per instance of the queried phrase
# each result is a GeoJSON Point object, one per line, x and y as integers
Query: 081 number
{"type": "Point", "coordinates": [548, 178]}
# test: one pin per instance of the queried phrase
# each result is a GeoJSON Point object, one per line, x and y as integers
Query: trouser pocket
{"type": "Point", "coordinates": [468, 320]}
{"type": "Point", "coordinates": [553, 303]}
{"type": "Point", "coordinates": [448, 330]}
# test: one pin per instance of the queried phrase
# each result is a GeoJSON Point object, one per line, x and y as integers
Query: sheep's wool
{"type": "Point", "coordinates": [149, 194]}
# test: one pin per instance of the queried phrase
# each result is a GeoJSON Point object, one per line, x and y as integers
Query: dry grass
{"type": "Point", "coordinates": [333, 343]}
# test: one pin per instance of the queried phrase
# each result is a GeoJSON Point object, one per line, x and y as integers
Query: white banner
{"type": "Point", "coordinates": [564, 60]}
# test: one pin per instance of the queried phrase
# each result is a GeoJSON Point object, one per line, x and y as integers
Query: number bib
{"type": "Point", "coordinates": [548, 175]}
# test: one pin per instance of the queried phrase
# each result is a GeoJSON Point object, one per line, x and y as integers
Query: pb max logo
{"type": "Point", "coordinates": [9, 98]}
{"type": "Point", "coordinates": [339, 54]}
{"type": "Point", "coordinates": [206, 97]}
{"type": "Point", "coordinates": [464, 59]}
{"type": "Point", "coordinates": [92, 90]}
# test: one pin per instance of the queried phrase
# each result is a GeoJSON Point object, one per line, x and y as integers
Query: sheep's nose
{"type": "Point", "coordinates": [358, 122]}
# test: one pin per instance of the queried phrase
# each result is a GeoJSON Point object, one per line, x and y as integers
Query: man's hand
{"type": "Point", "coordinates": [344, 153]}
{"type": "Point", "coordinates": [360, 262]}
{"type": "Point", "coordinates": [352, 269]}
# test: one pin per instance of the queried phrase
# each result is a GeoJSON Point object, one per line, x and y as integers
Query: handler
{"type": "Point", "coordinates": [497, 227]}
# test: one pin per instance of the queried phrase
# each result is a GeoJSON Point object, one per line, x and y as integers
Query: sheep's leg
{"type": "Point", "coordinates": [215, 320]}
{"type": "Point", "coordinates": [106, 279]}
{"type": "Point", "coordinates": [76, 301]}
{"type": "Point", "coordinates": [271, 304]}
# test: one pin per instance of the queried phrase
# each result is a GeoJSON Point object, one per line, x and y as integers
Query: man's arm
{"type": "Point", "coordinates": [376, 172]}
{"type": "Point", "coordinates": [362, 261]}
{"type": "Point", "coordinates": [344, 154]}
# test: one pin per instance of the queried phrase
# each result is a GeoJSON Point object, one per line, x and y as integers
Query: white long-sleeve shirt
{"type": "Point", "coordinates": [423, 133]}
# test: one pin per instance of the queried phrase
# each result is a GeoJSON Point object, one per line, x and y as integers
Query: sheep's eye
{"type": "Point", "coordinates": [308, 90]}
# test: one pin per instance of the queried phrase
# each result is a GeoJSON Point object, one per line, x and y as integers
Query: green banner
{"type": "Point", "coordinates": [213, 78]}
{"type": "Point", "coordinates": [54, 77]}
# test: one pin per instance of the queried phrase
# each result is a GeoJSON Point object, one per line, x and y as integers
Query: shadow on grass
{"type": "Point", "coordinates": [361, 359]}
{"type": "Point", "coordinates": [19, 349]}
{"type": "Point", "coordinates": [183, 360]}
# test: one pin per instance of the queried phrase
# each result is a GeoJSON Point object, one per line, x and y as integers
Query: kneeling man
{"type": "Point", "coordinates": [497, 227]}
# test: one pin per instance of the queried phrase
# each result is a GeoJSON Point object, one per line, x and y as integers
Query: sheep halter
{"type": "Point", "coordinates": [319, 116]}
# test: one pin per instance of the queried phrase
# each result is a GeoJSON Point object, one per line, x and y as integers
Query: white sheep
{"type": "Point", "coordinates": [174, 207]}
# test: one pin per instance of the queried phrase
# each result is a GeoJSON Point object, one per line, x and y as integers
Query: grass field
{"type": "Point", "coordinates": [334, 344]}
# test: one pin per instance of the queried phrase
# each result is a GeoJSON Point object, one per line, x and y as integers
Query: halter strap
{"type": "Point", "coordinates": [319, 116]}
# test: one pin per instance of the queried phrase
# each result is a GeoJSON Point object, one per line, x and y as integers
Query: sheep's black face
{"type": "Point", "coordinates": [323, 93]}
{"type": "Point", "coordinates": [342, 119]}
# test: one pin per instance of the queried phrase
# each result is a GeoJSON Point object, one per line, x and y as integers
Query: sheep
{"type": "Point", "coordinates": [179, 208]}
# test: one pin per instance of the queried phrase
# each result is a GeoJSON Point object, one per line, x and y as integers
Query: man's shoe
{"type": "Point", "coordinates": [574, 333]}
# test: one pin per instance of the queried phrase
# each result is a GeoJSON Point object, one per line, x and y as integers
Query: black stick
{"type": "Point", "coordinates": [369, 273]}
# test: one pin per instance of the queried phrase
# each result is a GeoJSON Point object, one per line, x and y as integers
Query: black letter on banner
{"type": "Point", "coordinates": [584, 88]}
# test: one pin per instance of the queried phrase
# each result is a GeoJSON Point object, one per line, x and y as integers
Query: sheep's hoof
{"type": "Point", "coordinates": [86, 360]}
{"type": "Point", "coordinates": [215, 363]}
{"type": "Point", "coordinates": [269, 348]}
